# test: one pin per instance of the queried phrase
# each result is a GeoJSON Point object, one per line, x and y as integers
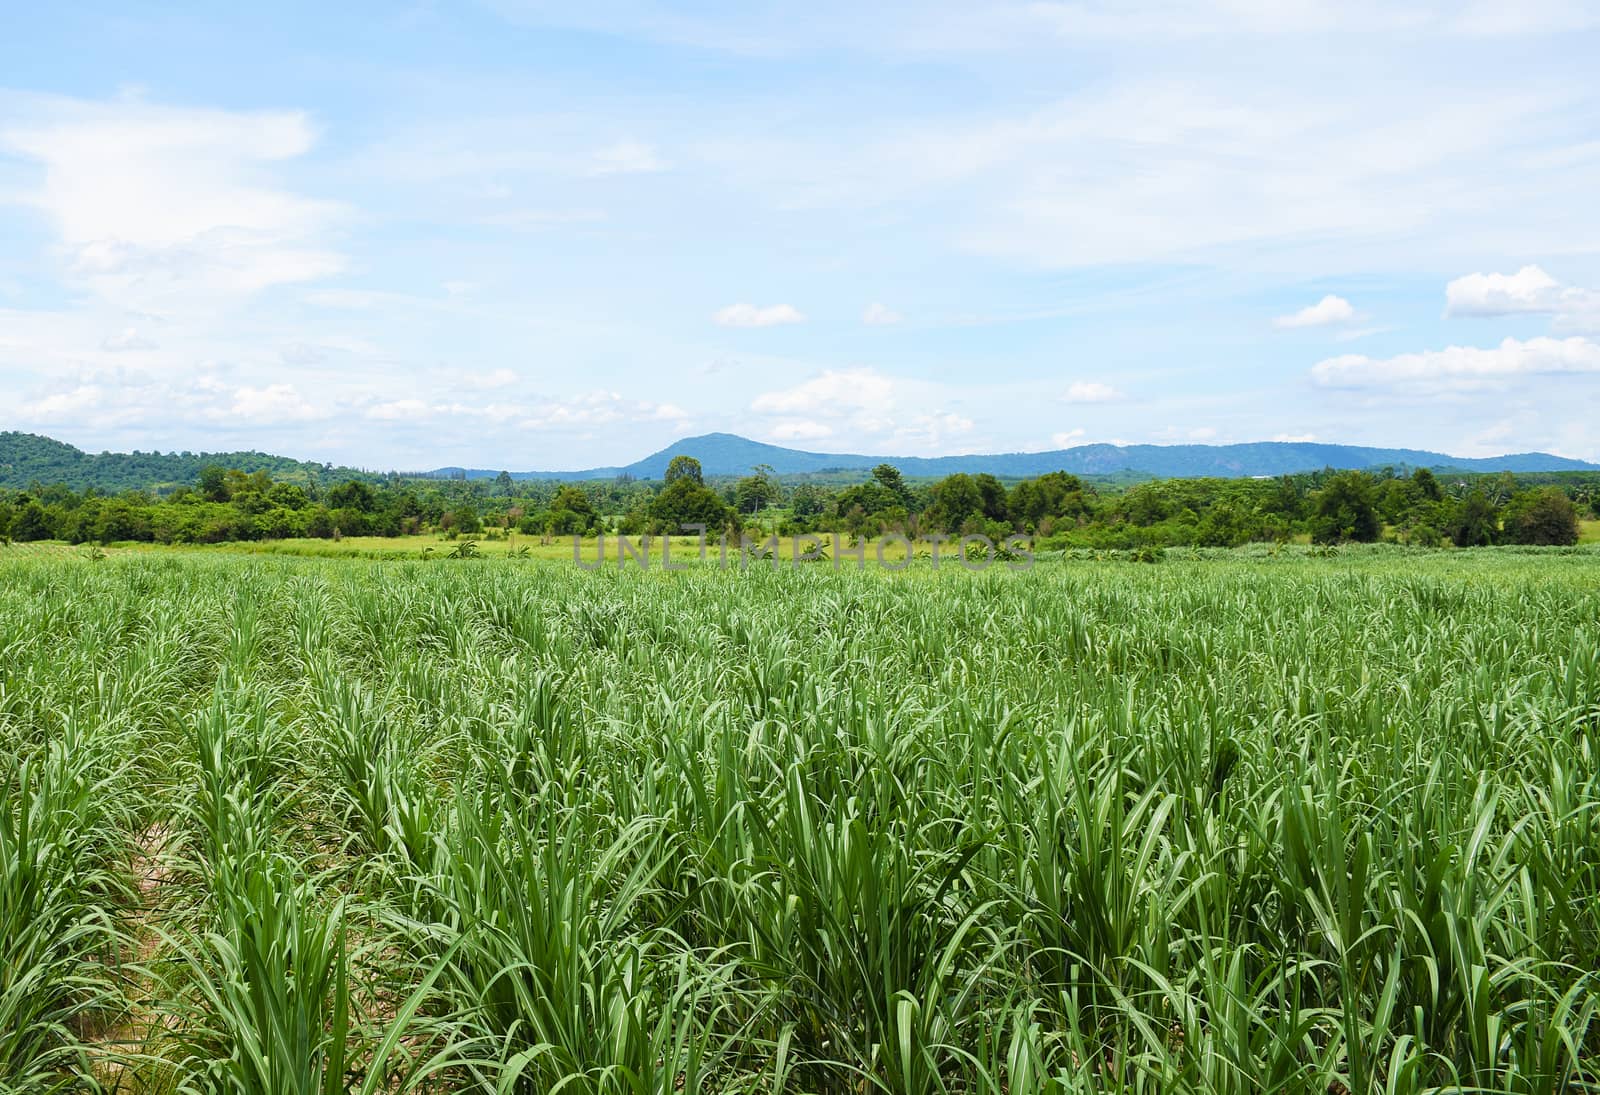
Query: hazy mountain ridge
{"type": "Point", "coordinates": [29, 458]}
{"type": "Point", "coordinates": [730, 454]}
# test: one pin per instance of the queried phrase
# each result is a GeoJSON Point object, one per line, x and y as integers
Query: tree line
{"type": "Point", "coordinates": [1057, 509]}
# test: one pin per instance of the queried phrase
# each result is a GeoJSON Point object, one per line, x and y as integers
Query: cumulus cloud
{"type": "Point", "coordinates": [1090, 391]}
{"type": "Point", "coordinates": [864, 407]}
{"type": "Point", "coordinates": [832, 391]}
{"type": "Point", "coordinates": [1328, 311]}
{"type": "Point", "coordinates": [271, 404]}
{"type": "Point", "coordinates": [1461, 367]}
{"type": "Point", "coordinates": [1530, 291]}
{"type": "Point", "coordinates": [63, 406]}
{"type": "Point", "coordinates": [749, 315]}
{"type": "Point", "coordinates": [1067, 438]}
{"type": "Point", "coordinates": [152, 202]}
{"type": "Point", "coordinates": [880, 315]}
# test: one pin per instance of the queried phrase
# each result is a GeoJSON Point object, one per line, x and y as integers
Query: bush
{"type": "Point", "coordinates": [1545, 517]}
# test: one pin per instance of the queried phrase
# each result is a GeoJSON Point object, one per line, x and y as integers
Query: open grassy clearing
{"type": "Point", "coordinates": [1222, 824]}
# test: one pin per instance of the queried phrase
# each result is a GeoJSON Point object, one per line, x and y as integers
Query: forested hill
{"type": "Point", "coordinates": [28, 458]}
{"type": "Point", "coordinates": [728, 454]}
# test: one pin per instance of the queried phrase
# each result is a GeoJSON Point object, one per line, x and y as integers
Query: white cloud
{"type": "Point", "coordinates": [866, 408]}
{"type": "Point", "coordinates": [1067, 438]}
{"type": "Point", "coordinates": [834, 391]}
{"type": "Point", "coordinates": [1296, 438]}
{"type": "Point", "coordinates": [1090, 391]}
{"type": "Point", "coordinates": [931, 431]}
{"type": "Point", "coordinates": [399, 410]}
{"type": "Point", "coordinates": [271, 404]}
{"type": "Point", "coordinates": [627, 158]}
{"type": "Point", "coordinates": [1200, 166]}
{"type": "Point", "coordinates": [799, 429]}
{"type": "Point", "coordinates": [880, 315]}
{"type": "Point", "coordinates": [63, 406]}
{"type": "Point", "coordinates": [154, 203]}
{"type": "Point", "coordinates": [583, 411]}
{"type": "Point", "coordinates": [1324, 313]}
{"type": "Point", "coordinates": [748, 315]}
{"type": "Point", "coordinates": [1530, 291]}
{"type": "Point", "coordinates": [1461, 367]}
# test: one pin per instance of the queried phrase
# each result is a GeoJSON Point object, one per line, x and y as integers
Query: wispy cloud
{"type": "Point", "coordinates": [1461, 367]}
{"type": "Point", "coordinates": [749, 315]}
{"type": "Point", "coordinates": [628, 158]}
{"type": "Point", "coordinates": [1327, 312]}
{"type": "Point", "coordinates": [194, 210]}
{"type": "Point", "coordinates": [1090, 391]}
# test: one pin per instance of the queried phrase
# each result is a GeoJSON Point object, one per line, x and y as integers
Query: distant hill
{"type": "Point", "coordinates": [27, 458]}
{"type": "Point", "coordinates": [730, 454]}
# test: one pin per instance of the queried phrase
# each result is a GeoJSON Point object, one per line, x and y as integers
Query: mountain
{"type": "Point", "coordinates": [29, 458]}
{"type": "Point", "coordinates": [729, 454]}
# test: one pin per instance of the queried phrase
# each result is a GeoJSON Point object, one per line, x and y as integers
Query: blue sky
{"type": "Point", "coordinates": [528, 235]}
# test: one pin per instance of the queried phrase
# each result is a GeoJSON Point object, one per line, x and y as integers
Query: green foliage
{"type": "Point", "coordinates": [1344, 511]}
{"type": "Point", "coordinates": [1545, 516]}
{"type": "Point", "coordinates": [758, 490]}
{"type": "Point", "coordinates": [1231, 823]}
{"type": "Point", "coordinates": [1474, 521]}
{"type": "Point", "coordinates": [686, 501]}
{"type": "Point", "coordinates": [1059, 510]}
{"type": "Point", "coordinates": [686, 468]}
{"type": "Point", "coordinates": [31, 523]}
{"type": "Point", "coordinates": [28, 458]}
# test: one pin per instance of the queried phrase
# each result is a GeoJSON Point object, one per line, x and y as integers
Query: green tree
{"type": "Point", "coordinates": [352, 494]}
{"type": "Point", "coordinates": [1427, 485]}
{"type": "Point", "coordinates": [31, 523]}
{"type": "Point", "coordinates": [807, 501]}
{"type": "Point", "coordinates": [1545, 516]}
{"type": "Point", "coordinates": [957, 499]}
{"type": "Point", "coordinates": [684, 467]}
{"type": "Point", "coordinates": [212, 483]}
{"type": "Point", "coordinates": [687, 502]}
{"type": "Point", "coordinates": [889, 478]}
{"type": "Point", "coordinates": [1344, 511]}
{"type": "Point", "coordinates": [571, 513]}
{"type": "Point", "coordinates": [758, 490]}
{"type": "Point", "coordinates": [1474, 522]}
